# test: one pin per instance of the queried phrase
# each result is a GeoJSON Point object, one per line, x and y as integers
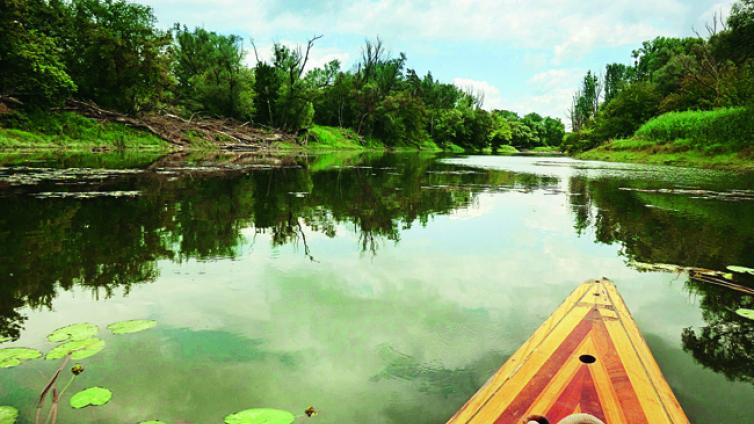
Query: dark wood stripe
{"type": "Point", "coordinates": [580, 392]}
{"type": "Point", "coordinates": [549, 369]}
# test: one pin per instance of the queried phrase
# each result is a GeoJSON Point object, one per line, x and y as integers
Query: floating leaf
{"type": "Point", "coordinates": [73, 332]}
{"type": "Point", "coordinates": [93, 396]}
{"type": "Point", "coordinates": [132, 326]}
{"type": "Point", "coordinates": [4, 339]}
{"type": "Point", "coordinates": [8, 414]}
{"type": "Point", "coordinates": [741, 269]}
{"type": "Point", "coordinates": [746, 313]}
{"type": "Point", "coordinates": [260, 416]}
{"type": "Point", "coordinates": [78, 349]}
{"type": "Point", "coordinates": [12, 356]}
{"type": "Point", "coordinates": [728, 276]}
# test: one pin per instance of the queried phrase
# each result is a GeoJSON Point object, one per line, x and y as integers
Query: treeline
{"type": "Point", "coordinates": [670, 74]}
{"type": "Point", "coordinates": [112, 53]}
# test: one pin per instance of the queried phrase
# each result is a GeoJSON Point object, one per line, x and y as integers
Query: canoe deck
{"type": "Point", "coordinates": [587, 357]}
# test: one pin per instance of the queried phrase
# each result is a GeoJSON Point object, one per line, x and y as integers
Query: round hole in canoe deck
{"type": "Point", "coordinates": [587, 359]}
{"type": "Point", "coordinates": [537, 419]}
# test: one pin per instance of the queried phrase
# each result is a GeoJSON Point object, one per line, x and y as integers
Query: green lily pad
{"type": "Point", "coordinates": [132, 326]}
{"type": "Point", "coordinates": [8, 414]}
{"type": "Point", "coordinates": [260, 416]}
{"type": "Point", "coordinates": [741, 269]}
{"type": "Point", "coordinates": [746, 313]}
{"type": "Point", "coordinates": [93, 396]}
{"type": "Point", "coordinates": [12, 356]}
{"type": "Point", "coordinates": [73, 332]}
{"type": "Point", "coordinates": [79, 349]}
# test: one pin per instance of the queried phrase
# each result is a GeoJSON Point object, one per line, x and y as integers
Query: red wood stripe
{"type": "Point", "coordinates": [529, 393]}
{"type": "Point", "coordinates": [582, 392]}
{"type": "Point", "coordinates": [608, 357]}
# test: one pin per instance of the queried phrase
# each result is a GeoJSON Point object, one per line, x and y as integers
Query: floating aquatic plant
{"type": "Point", "coordinates": [4, 339]}
{"type": "Point", "coordinates": [746, 313]}
{"type": "Point", "coordinates": [93, 396]}
{"type": "Point", "coordinates": [741, 269]}
{"type": "Point", "coordinates": [8, 414]}
{"type": "Point", "coordinates": [78, 349]}
{"type": "Point", "coordinates": [13, 356]}
{"type": "Point", "coordinates": [73, 332]}
{"type": "Point", "coordinates": [132, 326]}
{"type": "Point", "coordinates": [260, 416]}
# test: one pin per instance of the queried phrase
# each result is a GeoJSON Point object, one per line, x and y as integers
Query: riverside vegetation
{"type": "Point", "coordinates": [686, 101]}
{"type": "Point", "coordinates": [110, 55]}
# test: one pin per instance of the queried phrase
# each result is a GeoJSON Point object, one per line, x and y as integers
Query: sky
{"type": "Point", "coordinates": [524, 55]}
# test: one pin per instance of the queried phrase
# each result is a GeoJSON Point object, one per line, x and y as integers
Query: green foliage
{"type": "Point", "coordinates": [73, 332]}
{"type": "Point", "coordinates": [8, 415]}
{"type": "Point", "coordinates": [746, 313]}
{"type": "Point", "coordinates": [210, 73]}
{"type": "Point", "coordinates": [14, 356]}
{"type": "Point", "coordinates": [114, 53]}
{"type": "Point", "coordinates": [71, 131]}
{"type": "Point", "coordinates": [685, 75]}
{"type": "Point", "coordinates": [93, 396]}
{"type": "Point", "coordinates": [33, 70]}
{"type": "Point", "coordinates": [635, 104]}
{"type": "Point", "coordinates": [131, 326]}
{"type": "Point", "coordinates": [111, 52]}
{"type": "Point", "coordinates": [727, 129]}
{"type": "Point", "coordinates": [260, 416]}
{"type": "Point", "coordinates": [741, 269]}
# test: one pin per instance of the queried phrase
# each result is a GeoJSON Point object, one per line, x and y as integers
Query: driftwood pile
{"type": "Point", "coordinates": [181, 132]}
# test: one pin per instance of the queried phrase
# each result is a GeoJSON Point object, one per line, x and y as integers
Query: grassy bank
{"type": "Point", "coordinates": [722, 138]}
{"type": "Point", "coordinates": [71, 131]}
{"type": "Point", "coordinates": [327, 138]}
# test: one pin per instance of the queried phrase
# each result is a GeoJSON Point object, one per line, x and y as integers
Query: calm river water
{"type": "Point", "coordinates": [378, 288]}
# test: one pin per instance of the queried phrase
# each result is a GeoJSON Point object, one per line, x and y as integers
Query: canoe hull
{"type": "Point", "coordinates": [587, 357]}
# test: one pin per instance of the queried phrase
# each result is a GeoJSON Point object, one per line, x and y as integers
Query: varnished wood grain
{"type": "Point", "coordinates": [546, 378]}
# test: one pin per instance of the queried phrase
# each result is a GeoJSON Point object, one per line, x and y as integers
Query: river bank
{"type": "Point", "coordinates": [657, 154]}
{"type": "Point", "coordinates": [719, 139]}
{"type": "Point", "coordinates": [90, 129]}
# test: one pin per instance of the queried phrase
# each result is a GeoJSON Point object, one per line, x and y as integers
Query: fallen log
{"type": "Point", "coordinates": [181, 132]}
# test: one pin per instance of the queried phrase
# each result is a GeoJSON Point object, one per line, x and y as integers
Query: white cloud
{"type": "Point", "coordinates": [565, 27]}
{"type": "Point", "coordinates": [492, 97]}
{"type": "Point", "coordinates": [551, 92]}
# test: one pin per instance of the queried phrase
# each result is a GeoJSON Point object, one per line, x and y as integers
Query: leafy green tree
{"type": "Point", "coordinates": [634, 105]}
{"type": "Point", "coordinates": [115, 54]}
{"type": "Point", "coordinates": [210, 73]}
{"type": "Point", "coordinates": [617, 76]}
{"type": "Point", "coordinates": [586, 101]}
{"type": "Point", "coordinates": [554, 131]}
{"type": "Point", "coordinates": [32, 68]}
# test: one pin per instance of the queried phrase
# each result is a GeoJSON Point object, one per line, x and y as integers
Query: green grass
{"type": "Point", "coordinates": [656, 155]}
{"type": "Point", "coordinates": [716, 131]}
{"type": "Point", "coordinates": [335, 138]}
{"type": "Point", "coordinates": [71, 131]}
{"type": "Point", "coordinates": [546, 149]}
{"type": "Point", "coordinates": [321, 137]}
{"type": "Point", "coordinates": [721, 138]}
